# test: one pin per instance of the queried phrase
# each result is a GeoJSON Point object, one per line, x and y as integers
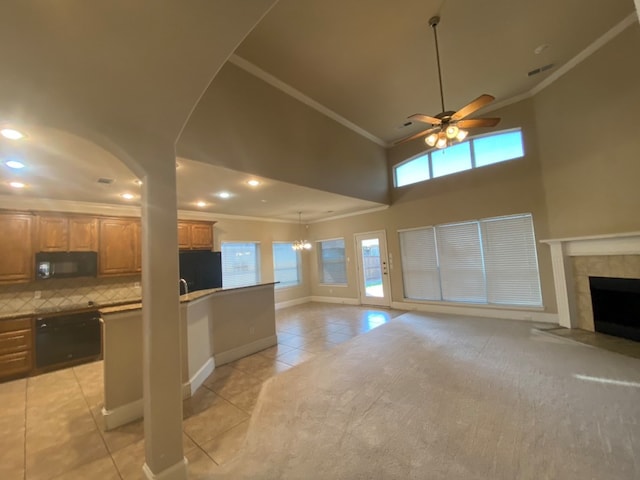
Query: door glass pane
{"type": "Point", "coordinates": [372, 267]}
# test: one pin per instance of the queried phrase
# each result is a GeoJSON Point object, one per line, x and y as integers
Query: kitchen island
{"type": "Point", "coordinates": [218, 326]}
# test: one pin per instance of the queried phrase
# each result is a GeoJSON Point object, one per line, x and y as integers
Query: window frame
{"type": "Point", "coordinates": [472, 153]}
{"type": "Point", "coordinates": [320, 263]}
{"type": "Point", "coordinates": [258, 263]}
{"type": "Point", "coordinates": [280, 285]}
{"type": "Point", "coordinates": [484, 243]}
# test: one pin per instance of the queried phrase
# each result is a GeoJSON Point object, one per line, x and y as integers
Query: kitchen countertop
{"type": "Point", "coordinates": [115, 306]}
{"type": "Point", "coordinates": [53, 311]}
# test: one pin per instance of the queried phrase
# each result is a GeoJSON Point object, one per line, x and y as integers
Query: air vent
{"type": "Point", "coordinates": [404, 125]}
{"type": "Point", "coordinates": [540, 69]}
{"type": "Point", "coordinates": [106, 181]}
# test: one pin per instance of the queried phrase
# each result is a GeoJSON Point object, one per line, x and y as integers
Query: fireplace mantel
{"type": "Point", "coordinates": [562, 249]}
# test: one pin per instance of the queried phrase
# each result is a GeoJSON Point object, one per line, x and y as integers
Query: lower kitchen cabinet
{"type": "Point", "coordinates": [16, 348]}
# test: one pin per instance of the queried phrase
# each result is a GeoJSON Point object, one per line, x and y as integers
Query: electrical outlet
{"type": "Point", "coordinates": [37, 294]}
{"type": "Point", "coordinates": [136, 285]}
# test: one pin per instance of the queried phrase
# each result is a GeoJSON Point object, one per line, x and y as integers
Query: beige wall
{"type": "Point", "coordinates": [589, 142]}
{"type": "Point", "coordinates": [255, 128]}
{"type": "Point", "coordinates": [502, 189]}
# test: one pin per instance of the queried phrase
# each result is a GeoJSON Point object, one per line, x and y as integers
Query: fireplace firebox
{"type": "Point", "coordinates": [616, 306]}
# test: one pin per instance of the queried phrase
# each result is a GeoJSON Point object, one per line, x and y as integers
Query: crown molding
{"type": "Point", "coordinates": [298, 95]}
{"type": "Point", "coordinates": [592, 48]}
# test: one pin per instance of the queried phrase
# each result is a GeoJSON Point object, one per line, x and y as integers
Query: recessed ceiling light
{"type": "Point", "coordinates": [11, 134]}
{"type": "Point", "coordinates": [138, 182]}
{"type": "Point", "coordinates": [201, 204]}
{"type": "Point", "coordinates": [263, 201]}
{"type": "Point", "coordinates": [127, 196]}
{"type": "Point", "coordinates": [17, 184]}
{"type": "Point", "coordinates": [254, 182]}
{"type": "Point", "coordinates": [224, 194]}
{"type": "Point", "coordinates": [178, 165]}
{"type": "Point", "coordinates": [14, 164]}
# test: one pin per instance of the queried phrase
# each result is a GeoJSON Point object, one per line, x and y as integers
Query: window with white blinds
{"type": "Point", "coordinates": [511, 261]}
{"type": "Point", "coordinates": [286, 264]}
{"type": "Point", "coordinates": [332, 267]}
{"type": "Point", "coordinates": [461, 266]}
{"type": "Point", "coordinates": [240, 264]}
{"type": "Point", "coordinates": [420, 274]}
{"type": "Point", "coordinates": [490, 261]}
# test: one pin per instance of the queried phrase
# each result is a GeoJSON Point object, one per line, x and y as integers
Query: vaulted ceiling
{"type": "Point", "coordinates": [366, 65]}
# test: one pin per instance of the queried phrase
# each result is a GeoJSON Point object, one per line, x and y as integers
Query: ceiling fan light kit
{"type": "Point", "coordinates": [448, 127]}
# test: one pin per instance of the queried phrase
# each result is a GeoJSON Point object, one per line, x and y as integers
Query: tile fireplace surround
{"type": "Point", "coordinates": [575, 259]}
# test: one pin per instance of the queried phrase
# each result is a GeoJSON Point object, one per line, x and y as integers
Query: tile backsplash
{"type": "Point", "coordinates": [68, 292]}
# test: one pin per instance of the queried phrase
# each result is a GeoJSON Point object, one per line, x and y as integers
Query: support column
{"type": "Point", "coordinates": [161, 371]}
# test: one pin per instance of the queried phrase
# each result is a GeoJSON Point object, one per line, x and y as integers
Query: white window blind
{"type": "Point", "coordinates": [511, 262]}
{"type": "Point", "coordinates": [461, 263]}
{"type": "Point", "coordinates": [490, 261]}
{"type": "Point", "coordinates": [332, 267]}
{"type": "Point", "coordinates": [420, 273]}
{"type": "Point", "coordinates": [240, 264]}
{"type": "Point", "coordinates": [286, 265]}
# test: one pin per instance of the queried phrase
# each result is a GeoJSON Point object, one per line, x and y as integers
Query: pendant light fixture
{"type": "Point", "coordinates": [301, 244]}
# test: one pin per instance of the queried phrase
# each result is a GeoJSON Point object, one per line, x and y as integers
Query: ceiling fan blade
{"type": "Point", "coordinates": [417, 135]}
{"type": "Point", "coordinates": [477, 104]}
{"type": "Point", "coordinates": [425, 119]}
{"type": "Point", "coordinates": [478, 122]}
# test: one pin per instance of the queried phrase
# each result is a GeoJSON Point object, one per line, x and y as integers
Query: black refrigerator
{"type": "Point", "coordinates": [202, 269]}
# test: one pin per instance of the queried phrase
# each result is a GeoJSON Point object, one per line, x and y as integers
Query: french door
{"type": "Point", "coordinates": [373, 268]}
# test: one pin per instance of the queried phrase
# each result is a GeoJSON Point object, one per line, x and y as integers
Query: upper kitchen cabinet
{"type": "Point", "coordinates": [119, 247]}
{"type": "Point", "coordinates": [16, 261]}
{"type": "Point", "coordinates": [195, 235]}
{"type": "Point", "coordinates": [57, 233]}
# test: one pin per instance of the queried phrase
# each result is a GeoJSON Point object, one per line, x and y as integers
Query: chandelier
{"type": "Point", "coordinates": [301, 244]}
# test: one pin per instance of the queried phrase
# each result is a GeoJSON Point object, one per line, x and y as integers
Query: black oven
{"type": "Point", "coordinates": [68, 338]}
{"type": "Point", "coordinates": [66, 264]}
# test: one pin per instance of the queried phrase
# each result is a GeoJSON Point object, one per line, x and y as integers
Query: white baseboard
{"type": "Point", "coordinates": [474, 311]}
{"type": "Point", "coordinates": [291, 303]}
{"type": "Point", "coordinates": [344, 301]}
{"type": "Point", "coordinates": [122, 415]}
{"type": "Point", "coordinates": [177, 471]}
{"type": "Point", "coordinates": [194, 383]}
{"type": "Point", "coordinates": [244, 350]}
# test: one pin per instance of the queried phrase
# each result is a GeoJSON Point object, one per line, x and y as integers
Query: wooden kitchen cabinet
{"type": "Point", "coordinates": [195, 235]}
{"type": "Point", "coordinates": [16, 261]}
{"type": "Point", "coordinates": [119, 252]}
{"type": "Point", "coordinates": [67, 233]}
{"type": "Point", "coordinates": [16, 348]}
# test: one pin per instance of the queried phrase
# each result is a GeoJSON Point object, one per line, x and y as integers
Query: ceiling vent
{"type": "Point", "coordinates": [106, 181]}
{"type": "Point", "coordinates": [540, 70]}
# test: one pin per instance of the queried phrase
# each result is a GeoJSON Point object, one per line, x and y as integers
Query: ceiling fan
{"type": "Point", "coordinates": [448, 126]}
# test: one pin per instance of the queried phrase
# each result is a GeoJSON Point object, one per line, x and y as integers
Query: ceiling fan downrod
{"type": "Point", "coordinates": [433, 23]}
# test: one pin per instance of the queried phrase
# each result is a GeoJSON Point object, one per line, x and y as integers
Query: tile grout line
{"type": "Point", "coordinates": [104, 442]}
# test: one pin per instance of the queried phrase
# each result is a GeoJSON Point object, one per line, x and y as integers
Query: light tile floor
{"type": "Point", "coordinates": [51, 425]}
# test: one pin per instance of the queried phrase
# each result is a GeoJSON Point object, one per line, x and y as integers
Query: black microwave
{"type": "Point", "coordinates": [66, 264]}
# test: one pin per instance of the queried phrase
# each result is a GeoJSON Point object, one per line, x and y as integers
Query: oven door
{"type": "Point", "coordinates": [67, 338]}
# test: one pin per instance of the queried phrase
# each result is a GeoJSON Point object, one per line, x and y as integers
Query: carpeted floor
{"type": "Point", "coordinates": [426, 397]}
